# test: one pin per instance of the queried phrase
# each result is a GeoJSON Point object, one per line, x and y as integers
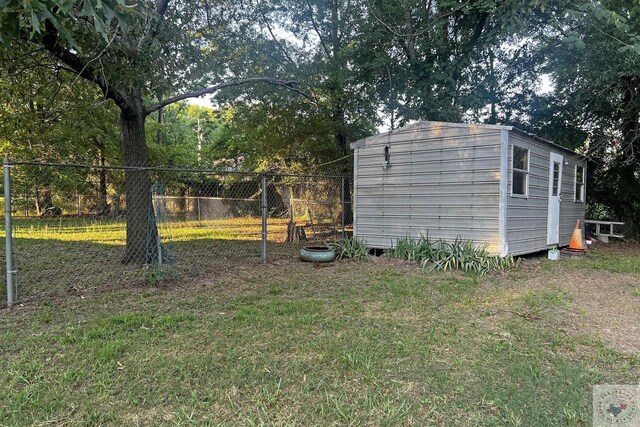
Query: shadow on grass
{"type": "Point", "coordinates": [52, 268]}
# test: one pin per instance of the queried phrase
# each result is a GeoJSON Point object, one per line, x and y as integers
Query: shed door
{"type": "Point", "coordinates": [555, 196]}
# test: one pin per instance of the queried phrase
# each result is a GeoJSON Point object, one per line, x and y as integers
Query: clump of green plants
{"type": "Point", "coordinates": [444, 256]}
{"type": "Point", "coordinates": [349, 248]}
{"type": "Point", "coordinates": [410, 249]}
{"type": "Point", "coordinates": [154, 274]}
{"type": "Point", "coordinates": [463, 255]}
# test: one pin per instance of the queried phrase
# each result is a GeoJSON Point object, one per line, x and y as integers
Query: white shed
{"type": "Point", "coordinates": [486, 183]}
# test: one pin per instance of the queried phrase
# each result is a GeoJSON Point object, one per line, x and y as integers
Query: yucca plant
{"type": "Point", "coordinates": [462, 255]}
{"type": "Point", "coordinates": [411, 249]}
{"type": "Point", "coordinates": [444, 256]}
{"type": "Point", "coordinates": [405, 248]}
{"type": "Point", "coordinates": [349, 248]}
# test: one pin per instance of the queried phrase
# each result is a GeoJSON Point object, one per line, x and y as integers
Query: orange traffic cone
{"type": "Point", "coordinates": [576, 243]}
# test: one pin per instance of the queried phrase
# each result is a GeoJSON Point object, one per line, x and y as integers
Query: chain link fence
{"type": "Point", "coordinates": [77, 228]}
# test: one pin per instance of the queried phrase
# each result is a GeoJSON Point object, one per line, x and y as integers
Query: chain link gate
{"type": "Point", "coordinates": [76, 228]}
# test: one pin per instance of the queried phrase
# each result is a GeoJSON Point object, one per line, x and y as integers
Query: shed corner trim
{"type": "Point", "coordinates": [503, 247]}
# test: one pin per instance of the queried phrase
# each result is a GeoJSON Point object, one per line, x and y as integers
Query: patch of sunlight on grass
{"type": "Point", "coordinates": [113, 232]}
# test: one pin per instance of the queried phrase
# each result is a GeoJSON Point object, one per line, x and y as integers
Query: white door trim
{"type": "Point", "coordinates": [503, 246]}
{"type": "Point", "coordinates": [555, 197]}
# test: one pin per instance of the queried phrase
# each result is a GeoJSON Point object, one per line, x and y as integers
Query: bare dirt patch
{"type": "Point", "coordinates": [603, 303]}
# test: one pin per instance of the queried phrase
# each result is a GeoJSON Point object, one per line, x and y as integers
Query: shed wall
{"type": "Point", "coordinates": [443, 181]}
{"type": "Point", "coordinates": [527, 217]}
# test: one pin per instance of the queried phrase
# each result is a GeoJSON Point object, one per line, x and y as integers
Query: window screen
{"type": "Point", "coordinates": [579, 184]}
{"type": "Point", "coordinates": [520, 171]}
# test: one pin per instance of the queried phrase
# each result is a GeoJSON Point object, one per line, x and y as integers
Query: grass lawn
{"type": "Point", "coordinates": [367, 343]}
{"type": "Point", "coordinates": [61, 256]}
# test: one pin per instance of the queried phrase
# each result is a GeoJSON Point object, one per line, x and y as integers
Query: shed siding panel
{"type": "Point", "coordinates": [523, 212]}
{"type": "Point", "coordinates": [443, 181]}
{"type": "Point", "coordinates": [527, 217]}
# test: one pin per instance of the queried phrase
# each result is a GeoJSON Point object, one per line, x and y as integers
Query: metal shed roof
{"type": "Point", "coordinates": [426, 124]}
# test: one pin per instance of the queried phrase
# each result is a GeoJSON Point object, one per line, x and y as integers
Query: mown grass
{"type": "Point", "coordinates": [615, 257]}
{"type": "Point", "coordinates": [292, 344]}
{"type": "Point", "coordinates": [112, 231]}
{"type": "Point", "coordinates": [58, 256]}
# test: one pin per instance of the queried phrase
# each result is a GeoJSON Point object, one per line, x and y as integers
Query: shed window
{"type": "Point", "coordinates": [556, 179]}
{"type": "Point", "coordinates": [579, 195]}
{"type": "Point", "coordinates": [519, 171]}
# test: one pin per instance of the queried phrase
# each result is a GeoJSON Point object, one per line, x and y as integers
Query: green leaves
{"type": "Point", "coordinates": [632, 48]}
{"type": "Point", "coordinates": [104, 13]}
{"type": "Point", "coordinates": [58, 120]}
{"type": "Point", "coordinates": [575, 41]}
{"type": "Point", "coordinates": [595, 106]}
{"type": "Point", "coordinates": [19, 18]}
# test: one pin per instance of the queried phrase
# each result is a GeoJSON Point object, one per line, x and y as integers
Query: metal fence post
{"type": "Point", "coordinates": [342, 200]}
{"type": "Point", "coordinates": [7, 230]}
{"type": "Point", "coordinates": [155, 207]}
{"type": "Point", "coordinates": [264, 217]}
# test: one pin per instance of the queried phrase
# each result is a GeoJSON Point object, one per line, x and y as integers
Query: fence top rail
{"type": "Point", "coordinates": [169, 169]}
{"type": "Point", "coordinates": [207, 198]}
{"type": "Point", "coordinates": [136, 168]}
{"type": "Point", "coordinates": [293, 175]}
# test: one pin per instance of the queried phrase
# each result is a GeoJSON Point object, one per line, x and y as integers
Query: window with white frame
{"type": "Point", "coordinates": [579, 195]}
{"type": "Point", "coordinates": [519, 171]}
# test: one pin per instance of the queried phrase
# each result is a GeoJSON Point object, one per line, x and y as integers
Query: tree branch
{"type": "Point", "coordinates": [160, 9]}
{"type": "Point", "coordinates": [317, 30]}
{"type": "Point", "coordinates": [273, 37]}
{"type": "Point", "coordinates": [290, 85]}
{"type": "Point", "coordinates": [80, 67]}
{"type": "Point", "coordinates": [469, 46]}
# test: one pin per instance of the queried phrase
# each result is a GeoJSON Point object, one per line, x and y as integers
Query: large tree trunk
{"type": "Point", "coordinates": [44, 201]}
{"type": "Point", "coordinates": [103, 205]}
{"type": "Point", "coordinates": [338, 111]}
{"type": "Point", "coordinates": [159, 134]}
{"type": "Point", "coordinates": [628, 168]}
{"type": "Point", "coordinates": [141, 227]}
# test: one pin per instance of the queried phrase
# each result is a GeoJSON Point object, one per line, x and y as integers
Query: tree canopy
{"type": "Point", "coordinates": [142, 57]}
{"type": "Point", "coordinates": [348, 67]}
